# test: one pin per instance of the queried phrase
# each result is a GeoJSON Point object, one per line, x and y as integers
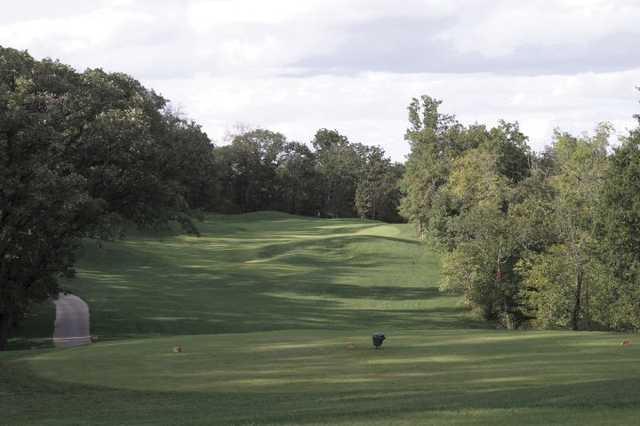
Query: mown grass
{"type": "Point", "coordinates": [274, 315]}
{"type": "Point", "coordinates": [298, 377]}
{"type": "Point", "coordinates": [265, 271]}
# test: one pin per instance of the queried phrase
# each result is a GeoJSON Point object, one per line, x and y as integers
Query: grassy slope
{"type": "Point", "coordinates": [265, 271]}
{"type": "Point", "coordinates": [274, 314]}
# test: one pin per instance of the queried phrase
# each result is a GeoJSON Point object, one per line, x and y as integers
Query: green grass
{"type": "Point", "coordinates": [274, 314]}
{"type": "Point", "coordinates": [265, 271]}
{"type": "Point", "coordinates": [299, 377]}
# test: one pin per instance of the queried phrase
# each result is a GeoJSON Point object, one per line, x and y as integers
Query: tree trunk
{"type": "Point", "coordinates": [576, 308]}
{"type": "Point", "coordinates": [5, 325]}
{"type": "Point", "coordinates": [587, 314]}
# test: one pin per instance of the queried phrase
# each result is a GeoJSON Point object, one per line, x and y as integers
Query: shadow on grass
{"type": "Point", "coordinates": [263, 272]}
{"type": "Point", "coordinates": [317, 283]}
{"type": "Point", "coordinates": [381, 398]}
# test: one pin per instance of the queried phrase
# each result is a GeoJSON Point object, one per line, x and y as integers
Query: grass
{"type": "Point", "coordinates": [274, 314]}
{"type": "Point", "coordinates": [261, 272]}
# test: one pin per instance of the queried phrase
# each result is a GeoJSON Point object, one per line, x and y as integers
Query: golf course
{"type": "Point", "coordinates": [266, 318]}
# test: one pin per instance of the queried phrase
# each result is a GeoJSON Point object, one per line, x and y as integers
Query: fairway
{"type": "Point", "coordinates": [274, 315]}
{"type": "Point", "coordinates": [265, 271]}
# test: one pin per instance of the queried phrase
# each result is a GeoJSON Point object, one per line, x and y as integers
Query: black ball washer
{"type": "Point", "coordinates": [378, 338]}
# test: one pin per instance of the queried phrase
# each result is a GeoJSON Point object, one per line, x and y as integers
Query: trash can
{"type": "Point", "coordinates": [378, 338]}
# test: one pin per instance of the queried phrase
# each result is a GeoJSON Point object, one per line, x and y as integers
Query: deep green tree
{"type": "Point", "coordinates": [560, 282]}
{"type": "Point", "coordinates": [339, 164]}
{"type": "Point", "coordinates": [298, 189]}
{"type": "Point", "coordinates": [82, 154]}
{"type": "Point", "coordinates": [378, 190]}
{"type": "Point", "coordinates": [186, 158]}
{"type": "Point", "coordinates": [44, 205]}
{"type": "Point", "coordinates": [484, 244]}
{"type": "Point", "coordinates": [429, 162]}
{"type": "Point", "coordinates": [619, 231]}
{"type": "Point", "coordinates": [249, 169]}
{"type": "Point", "coordinates": [460, 185]}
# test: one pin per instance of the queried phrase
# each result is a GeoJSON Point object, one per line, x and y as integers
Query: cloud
{"type": "Point", "coordinates": [66, 35]}
{"type": "Point", "coordinates": [500, 29]}
{"type": "Point", "coordinates": [296, 66]}
{"type": "Point", "coordinates": [330, 36]}
{"type": "Point", "coordinates": [371, 107]}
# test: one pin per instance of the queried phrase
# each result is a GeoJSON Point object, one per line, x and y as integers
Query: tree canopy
{"type": "Point", "coordinates": [82, 154]}
{"type": "Point", "coordinates": [530, 239]}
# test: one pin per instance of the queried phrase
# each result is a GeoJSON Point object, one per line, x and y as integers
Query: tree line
{"type": "Point", "coordinates": [547, 239]}
{"type": "Point", "coordinates": [85, 154]}
{"type": "Point", "coordinates": [261, 170]}
{"type": "Point", "coordinates": [530, 239]}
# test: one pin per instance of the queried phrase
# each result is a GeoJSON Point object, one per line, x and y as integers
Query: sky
{"type": "Point", "coordinates": [295, 66]}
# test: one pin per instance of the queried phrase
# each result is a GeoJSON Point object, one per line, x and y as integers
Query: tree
{"type": "Point", "coordinates": [561, 281]}
{"type": "Point", "coordinates": [484, 245]}
{"type": "Point", "coordinates": [250, 169]}
{"type": "Point", "coordinates": [118, 139]}
{"type": "Point", "coordinates": [427, 168]}
{"type": "Point", "coordinates": [298, 183]}
{"type": "Point", "coordinates": [550, 291]}
{"type": "Point", "coordinates": [460, 188]}
{"type": "Point", "coordinates": [339, 164]}
{"type": "Point", "coordinates": [187, 159]}
{"type": "Point", "coordinates": [81, 155]}
{"type": "Point", "coordinates": [44, 207]}
{"type": "Point", "coordinates": [582, 167]}
{"type": "Point", "coordinates": [378, 192]}
{"type": "Point", "coordinates": [619, 231]}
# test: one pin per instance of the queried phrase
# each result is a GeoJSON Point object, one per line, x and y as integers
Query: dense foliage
{"type": "Point", "coordinates": [262, 170]}
{"type": "Point", "coordinates": [547, 240]}
{"type": "Point", "coordinates": [82, 154]}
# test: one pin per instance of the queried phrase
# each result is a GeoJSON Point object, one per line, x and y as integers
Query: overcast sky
{"type": "Point", "coordinates": [354, 65]}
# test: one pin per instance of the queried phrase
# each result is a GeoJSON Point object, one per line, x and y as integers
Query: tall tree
{"type": "Point", "coordinates": [378, 192]}
{"type": "Point", "coordinates": [484, 246]}
{"type": "Point", "coordinates": [80, 155]}
{"type": "Point", "coordinates": [429, 162]}
{"type": "Point", "coordinates": [44, 206]}
{"type": "Point", "coordinates": [339, 163]}
{"type": "Point", "coordinates": [460, 185]}
{"type": "Point", "coordinates": [186, 158]}
{"type": "Point", "coordinates": [561, 281]}
{"type": "Point", "coordinates": [298, 183]}
{"type": "Point", "coordinates": [619, 219]}
{"type": "Point", "coordinates": [250, 166]}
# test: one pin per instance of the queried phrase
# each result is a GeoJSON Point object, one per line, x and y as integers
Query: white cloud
{"type": "Point", "coordinates": [498, 28]}
{"type": "Point", "coordinates": [371, 107]}
{"type": "Point", "coordinates": [248, 61]}
{"type": "Point", "coordinates": [66, 35]}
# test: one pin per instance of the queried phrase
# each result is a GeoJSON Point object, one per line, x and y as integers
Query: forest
{"type": "Point", "coordinates": [531, 239]}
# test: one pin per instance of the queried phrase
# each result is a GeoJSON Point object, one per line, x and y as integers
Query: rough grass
{"type": "Point", "coordinates": [274, 315]}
